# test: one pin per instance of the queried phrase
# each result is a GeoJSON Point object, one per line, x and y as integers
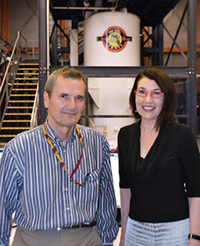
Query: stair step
{"type": "Point", "coordinates": [2, 144]}
{"type": "Point", "coordinates": [27, 68]}
{"type": "Point", "coordinates": [16, 120]}
{"type": "Point", "coordinates": [24, 89]}
{"type": "Point", "coordinates": [15, 128]}
{"type": "Point", "coordinates": [21, 101]}
{"type": "Point", "coordinates": [7, 136]}
{"type": "Point", "coordinates": [36, 78]}
{"type": "Point", "coordinates": [24, 95]}
{"type": "Point", "coordinates": [32, 83]}
{"type": "Point", "coordinates": [16, 107]}
{"type": "Point", "coordinates": [27, 74]}
{"type": "Point", "coordinates": [29, 64]}
{"type": "Point", "coordinates": [18, 113]}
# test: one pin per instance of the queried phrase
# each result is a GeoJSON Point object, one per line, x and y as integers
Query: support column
{"type": "Point", "coordinates": [54, 46]}
{"type": "Point", "coordinates": [42, 58]}
{"type": "Point", "coordinates": [198, 71]}
{"type": "Point", "coordinates": [192, 62]}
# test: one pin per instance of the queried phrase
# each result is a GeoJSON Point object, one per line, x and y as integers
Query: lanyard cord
{"type": "Point", "coordinates": [59, 158]}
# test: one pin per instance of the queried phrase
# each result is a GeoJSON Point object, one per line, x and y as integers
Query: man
{"type": "Point", "coordinates": [57, 177]}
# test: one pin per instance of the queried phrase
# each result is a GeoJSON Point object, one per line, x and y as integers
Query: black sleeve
{"type": "Point", "coordinates": [123, 150]}
{"type": "Point", "coordinates": [190, 159]}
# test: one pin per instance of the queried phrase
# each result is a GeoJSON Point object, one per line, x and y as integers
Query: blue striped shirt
{"type": "Point", "coordinates": [34, 184]}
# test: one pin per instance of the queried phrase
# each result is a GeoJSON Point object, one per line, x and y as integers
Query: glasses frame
{"type": "Point", "coordinates": [135, 91]}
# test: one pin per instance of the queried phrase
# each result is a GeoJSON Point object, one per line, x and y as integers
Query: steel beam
{"type": "Point", "coordinates": [42, 58]}
{"type": "Point", "coordinates": [192, 62]}
{"type": "Point", "coordinates": [115, 72]}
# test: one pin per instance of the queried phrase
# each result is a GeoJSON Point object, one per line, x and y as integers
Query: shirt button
{"type": "Point", "coordinates": [66, 189]}
{"type": "Point", "coordinates": [68, 208]}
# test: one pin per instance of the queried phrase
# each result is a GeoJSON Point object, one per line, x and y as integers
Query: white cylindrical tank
{"type": "Point", "coordinates": [112, 39]}
{"type": "Point", "coordinates": [110, 97]}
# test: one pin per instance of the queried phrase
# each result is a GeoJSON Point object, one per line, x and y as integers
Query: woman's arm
{"type": "Point", "coordinates": [194, 204]}
{"type": "Point", "coordinates": [125, 196]}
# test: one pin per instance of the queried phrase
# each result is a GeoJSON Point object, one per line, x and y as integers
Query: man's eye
{"type": "Point", "coordinates": [79, 98]}
{"type": "Point", "coordinates": [64, 95]}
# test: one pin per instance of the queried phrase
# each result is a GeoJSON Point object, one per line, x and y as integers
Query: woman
{"type": "Point", "coordinates": [159, 169]}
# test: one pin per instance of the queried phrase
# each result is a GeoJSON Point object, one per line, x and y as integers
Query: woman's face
{"type": "Point", "coordinates": [148, 107]}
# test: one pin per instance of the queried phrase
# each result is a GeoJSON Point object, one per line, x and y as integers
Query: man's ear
{"type": "Point", "coordinates": [46, 99]}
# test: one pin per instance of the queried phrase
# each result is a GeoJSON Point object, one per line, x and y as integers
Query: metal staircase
{"type": "Point", "coordinates": [22, 102]}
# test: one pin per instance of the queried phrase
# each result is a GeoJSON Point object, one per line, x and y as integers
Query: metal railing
{"type": "Point", "coordinates": [20, 47]}
{"type": "Point", "coordinates": [9, 77]}
{"type": "Point", "coordinates": [34, 115]}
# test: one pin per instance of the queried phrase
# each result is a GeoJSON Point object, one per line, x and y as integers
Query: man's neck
{"type": "Point", "coordinates": [63, 132]}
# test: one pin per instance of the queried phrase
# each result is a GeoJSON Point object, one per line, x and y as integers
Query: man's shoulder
{"type": "Point", "coordinates": [92, 135]}
{"type": "Point", "coordinates": [89, 130]}
{"type": "Point", "coordinates": [23, 136]}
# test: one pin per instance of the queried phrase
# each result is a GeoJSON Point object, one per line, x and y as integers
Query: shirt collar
{"type": "Point", "coordinates": [52, 135]}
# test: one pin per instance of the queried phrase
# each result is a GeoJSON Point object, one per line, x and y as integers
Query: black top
{"type": "Point", "coordinates": [158, 183]}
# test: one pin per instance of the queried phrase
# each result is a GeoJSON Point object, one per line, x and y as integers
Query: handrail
{"type": "Point", "coordinates": [10, 60]}
{"type": "Point", "coordinates": [34, 117]}
{"type": "Point", "coordinates": [9, 76]}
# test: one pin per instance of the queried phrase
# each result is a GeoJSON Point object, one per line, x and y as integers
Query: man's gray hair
{"type": "Point", "coordinates": [65, 72]}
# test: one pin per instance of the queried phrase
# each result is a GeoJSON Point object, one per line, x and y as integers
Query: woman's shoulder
{"type": "Point", "coordinates": [129, 128]}
{"type": "Point", "coordinates": [181, 131]}
{"type": "Point", "coordinates": [129, 131]}
{"type": "Point", "coordinates": [180, 128]}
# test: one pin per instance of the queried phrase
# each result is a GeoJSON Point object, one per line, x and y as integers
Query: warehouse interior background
{"type": "Point", "coordinates": [38, 36]}
{"type": "Point", "coordinates": [52, 33]}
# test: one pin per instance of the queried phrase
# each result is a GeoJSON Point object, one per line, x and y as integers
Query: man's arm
{"type": "Point", "coordinates": [107, 225]}
{"type": "Point", "coordinates": [8, 195]}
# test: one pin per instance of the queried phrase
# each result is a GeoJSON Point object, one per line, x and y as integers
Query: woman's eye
{"type": "Point", "coordinates": [156, 93]}
{"type": "Point", "coordinates": [141, 92]}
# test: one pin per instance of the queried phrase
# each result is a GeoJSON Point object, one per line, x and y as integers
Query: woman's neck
{"type": "Point", "coordinates": [148, 126]}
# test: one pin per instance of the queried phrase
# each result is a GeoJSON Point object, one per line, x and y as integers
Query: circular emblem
{"type": "Point", "coordinates": [115, 39]}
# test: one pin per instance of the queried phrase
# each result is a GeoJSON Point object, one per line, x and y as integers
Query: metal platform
{"type": "Point", "coordinates": [151, 12]}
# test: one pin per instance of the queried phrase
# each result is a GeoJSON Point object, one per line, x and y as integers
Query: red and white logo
{"type": "Point", "coordinates": [114, 39]}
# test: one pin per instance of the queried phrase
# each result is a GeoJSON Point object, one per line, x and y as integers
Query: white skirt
{"type": "Point", "coordinates": [157, 234]}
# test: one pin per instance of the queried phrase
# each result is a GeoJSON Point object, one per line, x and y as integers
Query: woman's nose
{"type": "Point", "coordinates": [148, 97]}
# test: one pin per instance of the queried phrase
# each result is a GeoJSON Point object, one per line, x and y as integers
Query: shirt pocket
{"type": "Point", "coordinates": [91, 186]}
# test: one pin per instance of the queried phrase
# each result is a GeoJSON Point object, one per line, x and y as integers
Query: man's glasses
{"type": "Point", "coordinates": [153, 94]}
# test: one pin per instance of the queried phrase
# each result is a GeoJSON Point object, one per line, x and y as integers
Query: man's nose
{"type": "Point", "coordinates": [72, 103]}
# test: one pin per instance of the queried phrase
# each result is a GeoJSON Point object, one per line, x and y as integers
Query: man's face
{"type": "Point", "coordinates": [66, 103]}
